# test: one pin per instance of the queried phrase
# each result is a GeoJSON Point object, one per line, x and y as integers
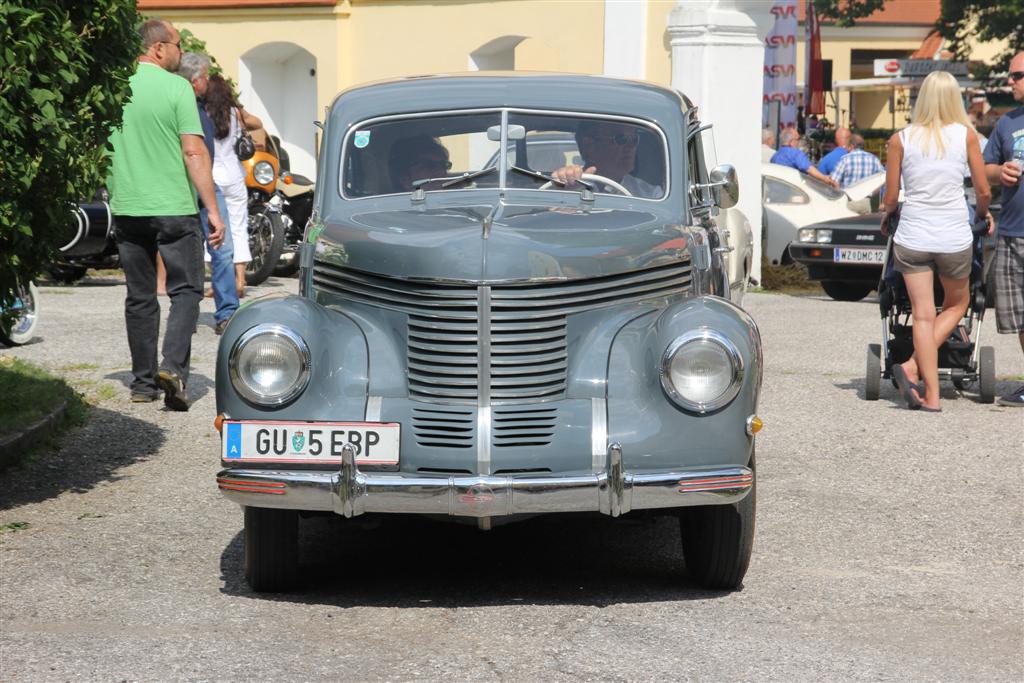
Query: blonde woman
{"type": "Point", "coordinates": [931, 156]}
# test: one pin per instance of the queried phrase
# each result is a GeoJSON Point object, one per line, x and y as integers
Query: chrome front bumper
{"type": "Point", "coordinates": [613, 492]}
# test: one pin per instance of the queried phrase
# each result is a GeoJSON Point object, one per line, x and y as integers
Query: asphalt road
{"type": "Point", "coordinates": [888, 544]}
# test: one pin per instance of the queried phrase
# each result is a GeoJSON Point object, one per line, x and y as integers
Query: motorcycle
{"type": "Point", "coordinates": [297, 191]}
{"type": "Point", "coordinates": [266, 224]}
{"type": "Point", "coordinates": [88, 241]}
{"type": "Point", "coordinates": [18, 323]}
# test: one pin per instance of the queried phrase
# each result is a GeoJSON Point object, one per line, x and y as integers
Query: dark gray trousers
{"type": "Point", "coordinates": [179, 239]}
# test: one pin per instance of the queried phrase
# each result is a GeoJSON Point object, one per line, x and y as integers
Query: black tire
{"type": "Point", "coordinates": [717, 540]}
{"type": "Point", "coordinates": [266, 239]}
{"type": "Point", "coordinates": [271, 548]}
{"type": "Point", "coordinates": [987, 374]}
{"type": "Point", "coordinates": [20, 327]}
{"type": "Point", "coordinates": [66, 274]}
{"type": "Point", "coordinates": [846, 291]}
{"type": "Point", "coordinates": [287, 265]}
{"type": "Point", "coordinates": [873, 372]}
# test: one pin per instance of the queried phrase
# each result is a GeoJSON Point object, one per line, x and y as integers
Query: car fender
{"type": "Point", "coordinates": [656, 433]}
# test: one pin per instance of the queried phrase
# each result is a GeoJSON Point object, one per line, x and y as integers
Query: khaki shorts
{"type": "Point", "coordinates": [955, 265]}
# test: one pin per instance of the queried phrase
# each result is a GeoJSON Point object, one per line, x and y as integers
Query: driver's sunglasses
{"type": "Point", "coordinates": [1016, 76]}
{"type": "Point", "coordinates": [620, 139]}
{"type": "Point", "coordinates": [177, 44]}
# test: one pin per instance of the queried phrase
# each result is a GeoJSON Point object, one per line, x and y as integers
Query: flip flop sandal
{"type": "Point", "coordinates": [904, 385]}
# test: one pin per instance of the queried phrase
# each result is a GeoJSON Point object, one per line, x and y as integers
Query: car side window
{"type": "Point", "coordinates": [780, 192]}
{"type": "Point", "coordinates": [702, 198]}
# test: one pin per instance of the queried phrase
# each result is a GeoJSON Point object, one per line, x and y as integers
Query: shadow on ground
{"type": "Point", "coordinates": [198, 385]}
{"type": "Point", "coordinates": [81, 458]}
{"type": "Point", "coordinates": [404, 561]}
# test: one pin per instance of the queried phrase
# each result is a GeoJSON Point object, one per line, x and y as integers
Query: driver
{"type": "Point", "coordinates": [608, 149]}
{"type": "Point", "coordinates": [417, 157]}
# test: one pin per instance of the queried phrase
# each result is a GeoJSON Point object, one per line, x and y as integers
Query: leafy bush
{"type": "Point", "coordinates": [64, 69]}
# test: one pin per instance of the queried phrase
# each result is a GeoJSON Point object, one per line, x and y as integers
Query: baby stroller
{"type": "Point", "coordinates": [961, 358]}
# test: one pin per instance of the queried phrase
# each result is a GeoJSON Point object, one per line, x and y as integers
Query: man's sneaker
{"type": "Point", "coordinates": [174, 390]}
{"type": "Point", "coordinates": [1014, 399]}
{"type": "Point", "coordinates": [221, 326]}
{"type": "Point", "coordinates": [143, 397]}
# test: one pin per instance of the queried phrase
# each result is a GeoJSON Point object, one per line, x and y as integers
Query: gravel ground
{"type": "Point", "coordinates": [887, 548]}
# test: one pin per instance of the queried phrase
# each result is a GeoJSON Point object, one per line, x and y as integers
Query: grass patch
{"type": "Point", "coordinates": [13, 527]}
{"type": "Point", "coordinates": [28, 394]}
{"type": "Point", "coordinates": [788, 279]}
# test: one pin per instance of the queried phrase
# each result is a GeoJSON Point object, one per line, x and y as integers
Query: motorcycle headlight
{"type": "Point", "coordinates": [263, 172]}
{"type": "Point", "coordinates": [701, 371]}
{"type": "Point", "coordinates": [269, 365]}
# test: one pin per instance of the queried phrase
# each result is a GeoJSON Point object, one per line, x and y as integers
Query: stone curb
{"type": "Point", "coordinates": [13, 446]}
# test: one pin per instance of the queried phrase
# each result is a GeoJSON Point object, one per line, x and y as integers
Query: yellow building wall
{"type": "Point", "coordinates": [659, 46]}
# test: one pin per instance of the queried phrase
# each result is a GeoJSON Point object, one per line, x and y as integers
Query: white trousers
{"type": "Point", "coordinates": [236, 196]}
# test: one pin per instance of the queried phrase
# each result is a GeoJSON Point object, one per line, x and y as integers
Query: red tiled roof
{"type": "Point", "coordinates": [901, 12]}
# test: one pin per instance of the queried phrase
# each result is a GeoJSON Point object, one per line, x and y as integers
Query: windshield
{"type": "Point", "coordinates": [461, 151]}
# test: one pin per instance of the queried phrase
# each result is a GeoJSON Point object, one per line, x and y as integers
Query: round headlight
{"type": "Point", "coordinates": [702, 371]}
{"type": "Point", "coordinates": [263, 172]}
{"type": "Point", "coordinates": [269, 365]}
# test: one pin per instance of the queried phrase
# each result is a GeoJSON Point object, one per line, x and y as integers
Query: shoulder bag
{"type": "Point", "coordinates": [244, 145]}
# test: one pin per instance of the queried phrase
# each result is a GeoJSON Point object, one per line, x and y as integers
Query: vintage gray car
{"type": "Point", "coordinates": [476, 341]}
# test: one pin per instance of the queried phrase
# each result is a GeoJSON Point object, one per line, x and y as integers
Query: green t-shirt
{"type": "Point", "coordinates": [148, 175]}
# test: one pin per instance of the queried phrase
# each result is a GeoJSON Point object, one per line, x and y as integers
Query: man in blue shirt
{"type": "Point", "coordinates": [828, 162]}
{"type": "Point", "coordinates": [195, 68]}
{"type": "Point", "coordinates": [789, 154]}
{"type": "Point", "coordinates": [856, 165]}
{"type": "Point", "coordinates": [1004, 159]}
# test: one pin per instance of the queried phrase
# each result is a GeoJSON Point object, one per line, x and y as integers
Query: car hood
{"type": "Point", "coordinates": [488, 243]}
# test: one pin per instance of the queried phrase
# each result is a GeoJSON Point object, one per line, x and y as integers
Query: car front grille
{"type": "Point", "coordinates": [520, 329]}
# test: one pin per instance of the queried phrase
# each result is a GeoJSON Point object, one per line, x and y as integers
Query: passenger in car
{"type": "Point", "coordinates": [415, 158]}
{"type": "Point", "coordinates": [608, 149]}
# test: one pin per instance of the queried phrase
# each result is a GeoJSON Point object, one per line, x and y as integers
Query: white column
{"type": "Point", "coordinates": [717, 61]}
{"type": "Point", "coordinates": [625, 38]}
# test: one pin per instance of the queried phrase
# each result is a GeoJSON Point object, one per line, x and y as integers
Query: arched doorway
{"type": "Point", "coordinates": [278, 83]}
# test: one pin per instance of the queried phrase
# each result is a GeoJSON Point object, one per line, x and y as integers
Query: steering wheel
{"type": "Point", "coordinates": [594, 178]}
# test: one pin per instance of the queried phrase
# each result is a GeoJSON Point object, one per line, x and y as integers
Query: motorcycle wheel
{"type": "Point", "coordinates": [266, 239]}
{"type": "Point", "coordinates": [287, 265]}
{"type": "Point", "coordinates": [21, 327]}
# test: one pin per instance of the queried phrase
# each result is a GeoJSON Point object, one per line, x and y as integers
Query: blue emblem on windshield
{"type": "Point", "coordinates": [361, 138]}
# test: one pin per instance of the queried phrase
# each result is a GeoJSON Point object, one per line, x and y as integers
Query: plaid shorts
{"type": "Point", "coordinates": [1009, 279]}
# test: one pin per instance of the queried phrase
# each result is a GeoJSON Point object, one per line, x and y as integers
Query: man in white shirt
{"type": "Point", "coordinates": [608, 149]}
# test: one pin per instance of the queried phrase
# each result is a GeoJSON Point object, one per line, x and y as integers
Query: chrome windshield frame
{"type": "Point", "coordinates": [504, 112]}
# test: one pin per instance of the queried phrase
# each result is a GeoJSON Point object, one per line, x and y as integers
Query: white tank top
{"type": "Point", "coordinates": [227, 169]}
{"type": "Point", "coordinates": [934, 216]}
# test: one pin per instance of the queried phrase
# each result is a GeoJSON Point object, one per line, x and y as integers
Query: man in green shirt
{"type": "Point", "coordinates": [157, 152]}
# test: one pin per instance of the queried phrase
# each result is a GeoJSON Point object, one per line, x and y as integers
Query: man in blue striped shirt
{"type": "Point", "coordinates": [856, 165]}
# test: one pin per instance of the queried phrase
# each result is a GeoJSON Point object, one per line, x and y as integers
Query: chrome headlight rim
{"type": "Point", "coordinates": [703, 334]}
{"type": "Point", "coordinates": [305, 359]}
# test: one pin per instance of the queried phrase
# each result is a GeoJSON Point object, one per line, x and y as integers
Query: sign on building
{"type": "Point", "coordinates": [918, 67]}
{"type": "Point", "coordinates": [780, 65]}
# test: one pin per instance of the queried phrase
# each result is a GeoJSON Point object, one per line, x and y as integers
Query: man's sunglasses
{"type": "Point", "coordinates": [177, 44]}
{"type": "Point", "coordinates": [1016, 76]}
{"type": "Point", "coordinates": [620, 139]}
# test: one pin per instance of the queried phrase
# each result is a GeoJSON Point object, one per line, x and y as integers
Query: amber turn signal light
{"type": "Point", "coordinates": [754, 425]}
{"type": "Point", "coordinates": [218, 423]}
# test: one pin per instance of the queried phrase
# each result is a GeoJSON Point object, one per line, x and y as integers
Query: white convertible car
{"type": "Point", "coordinates": [792, 200]}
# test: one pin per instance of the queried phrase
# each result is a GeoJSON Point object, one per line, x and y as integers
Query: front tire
{"type": "Point", "coordinates": [846, 291]}
{"type": "Point", "coordinates": [266, 239]}
{"type": "Point", "coordinates": [987, 374]}
{"type": "Point", "coordinates": [20, 327]}
{"type": "Point", "coordinates": [873, 372]}
{"type": "Point", "coordinates": [718, 539]}
{"type": "Point", "coordinates": [271, 548]}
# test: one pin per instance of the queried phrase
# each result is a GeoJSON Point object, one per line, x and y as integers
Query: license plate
{"type": "Point", "coordinates": [842, 255]}
{"type": "Point", "coordinates": [376, 443]}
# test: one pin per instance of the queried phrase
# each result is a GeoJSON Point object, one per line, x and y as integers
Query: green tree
{"type": "Point", "coordinates": [968, 22]}
{"type": "Point", "coordinates": [846, 12]}
{"type": "Point", "coordinates": [64, 69]}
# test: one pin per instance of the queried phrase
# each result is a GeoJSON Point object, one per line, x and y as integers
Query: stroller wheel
{"type": "Point", "coordinates": [987, 374]}
{"type": "Point", "coordinates": [873, 372]}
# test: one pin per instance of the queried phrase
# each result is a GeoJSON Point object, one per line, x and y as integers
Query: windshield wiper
{"type": "Point", "coordinates": [466, 177]}
{"type": "Point", "coordinates": [540, 176]}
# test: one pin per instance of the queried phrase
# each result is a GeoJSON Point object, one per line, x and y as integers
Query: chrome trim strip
{"type": "Point", "coordinates": [483, 418]}
{"type": "Point", "coordinates": [613, 492]}
{"type": "Point", "coordinates": [598, 432]}
{"type": "Point", "coordinates": [373, 408]}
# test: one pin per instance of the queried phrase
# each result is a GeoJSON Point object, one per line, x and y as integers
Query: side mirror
{"type": "Point", "coordinates": [726, 186]}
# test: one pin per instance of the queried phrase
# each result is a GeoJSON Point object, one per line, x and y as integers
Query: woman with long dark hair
{"type": "Point", "coordinates": [930, 157]}
{"type": "Point", "coordinates": [228, 119]}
